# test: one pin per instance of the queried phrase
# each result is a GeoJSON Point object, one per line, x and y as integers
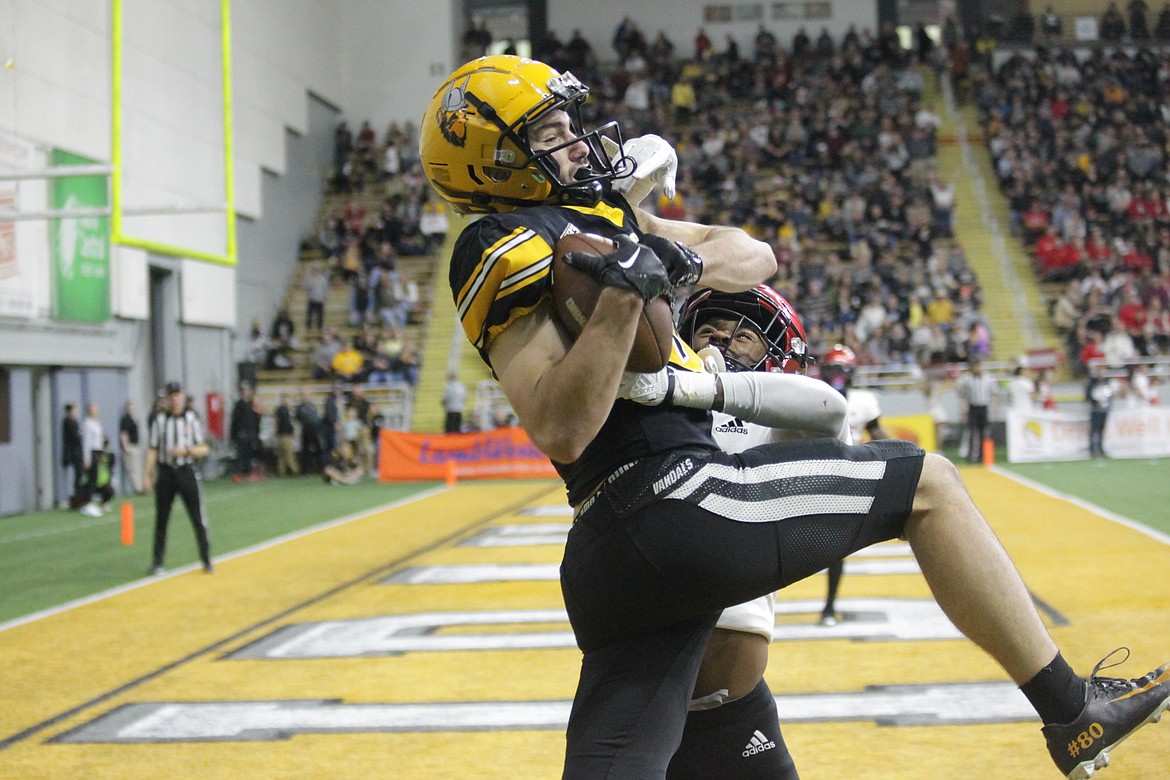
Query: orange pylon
{"type": "Point", "coordinates": [127, 524]}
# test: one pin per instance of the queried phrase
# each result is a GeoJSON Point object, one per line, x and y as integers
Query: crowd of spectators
{"type": "Point", "coordinates": [1079, 145]}
{"type": "Point", "coordinates": [1113, 26]}
{"type": "Point", "coordinates": [822, 148]}
{"type": "Point", "coordinates": [360, 251]}
{"type": "Point", "coordinates": [825, 150]}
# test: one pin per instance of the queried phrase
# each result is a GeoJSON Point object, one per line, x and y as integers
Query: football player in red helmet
{"type": "Point", "coordinates": [865, 414]}
{"type": "Point", "coordinates": [754, 330]}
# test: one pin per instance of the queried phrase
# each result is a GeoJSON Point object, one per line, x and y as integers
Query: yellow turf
{"type": "Point", "coordinates": [168, 641]}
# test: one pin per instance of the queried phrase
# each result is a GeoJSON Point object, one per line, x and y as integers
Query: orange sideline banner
{"type": "Point", "coordinates": [918, 428]}
{"type": "Point", "coordinates": [499, 454]}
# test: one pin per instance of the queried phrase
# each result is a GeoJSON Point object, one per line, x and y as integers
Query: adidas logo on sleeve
{"type": "Point", "coordinates": [758, 744]}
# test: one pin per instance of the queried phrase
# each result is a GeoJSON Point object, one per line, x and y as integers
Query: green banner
{"type": "Point", "coordinates": [80, 246]}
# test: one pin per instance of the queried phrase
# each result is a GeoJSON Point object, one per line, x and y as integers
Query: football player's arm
{"type": "Point", "coordinates": [732, 260]}
{"type": "Point", "coordinates": [562, 392]}
{"type": "Point", "coordinates": [787, 401]}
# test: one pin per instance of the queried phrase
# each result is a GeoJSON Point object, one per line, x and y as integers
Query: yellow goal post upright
{"type": "Point", "coordinates": [118, 210]}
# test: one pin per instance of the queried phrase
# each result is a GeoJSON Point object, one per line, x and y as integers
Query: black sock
{"type": "Point", "coordinates": [1056, 692]}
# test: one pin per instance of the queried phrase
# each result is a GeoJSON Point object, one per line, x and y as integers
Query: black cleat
{"type": "Point", "coordinates": [1114, 709]}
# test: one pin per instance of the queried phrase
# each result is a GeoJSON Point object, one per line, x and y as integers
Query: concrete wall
{"type": "Point", "coordinates": [598, 19]}
{"type": "Point", "coordinates": [57, 92]}
{"type": "Point", "coordinates": [394, 55]}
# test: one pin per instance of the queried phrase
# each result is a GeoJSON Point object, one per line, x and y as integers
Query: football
{"type": "Point", "coordinates": [575, 294]}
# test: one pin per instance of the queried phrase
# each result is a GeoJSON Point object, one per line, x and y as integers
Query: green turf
{"type": "Point", "coordinates": [50, 558]}
{"type": "Point", "coordinates": [1138, 489]}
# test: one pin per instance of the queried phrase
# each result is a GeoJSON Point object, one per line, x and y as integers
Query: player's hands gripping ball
{"type": "Point", "coordinates": [583, 265]}
{"type": "Point", "coordinates": [631, 266]}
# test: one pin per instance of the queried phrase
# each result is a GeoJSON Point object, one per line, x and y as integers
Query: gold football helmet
{"type": "Point", "coordinates": [473, 139]}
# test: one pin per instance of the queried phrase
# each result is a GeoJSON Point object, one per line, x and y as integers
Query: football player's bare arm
{"type": "Point", "coordinates": [732, 260]}
{"type": "Point", "coordinates": [562, 392]}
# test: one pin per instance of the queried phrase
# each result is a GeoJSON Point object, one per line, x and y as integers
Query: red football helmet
{"type": "Point", "coordinates": [765, 311]}
{"type": "Point", "coordinates": [837, 367]}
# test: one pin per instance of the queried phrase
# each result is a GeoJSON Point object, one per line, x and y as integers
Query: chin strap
{"type": "Point", "coordinates": [588, 194]}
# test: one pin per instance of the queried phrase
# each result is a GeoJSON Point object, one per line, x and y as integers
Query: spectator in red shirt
{"type": "Point", "coordinates": [1141, 207]}
{"type": "Point", "coordinates": [1157, 329]}
{"type": "Point", "coordinates": [1092, 348]}
{"type": "Point", "coordinates": [1057, 260]}
{"type": "Point", "coordinates": [366, 137]}
{"type": "Point", "coordinates": [1059, 105]}
{"type": "Point", "coordinates": [1137, 261]}
{"type": "Point", "coordinates": [355, 217]}
{"type": "Point", "coordinates": [1035, 221]}
{"type": "Point", "coordinates": [1132, 317]}
{"type": "Point", "coordinates": [1097, 247]}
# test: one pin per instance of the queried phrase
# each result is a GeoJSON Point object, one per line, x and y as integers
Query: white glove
{"type": "Point", "coordinates": [679, 388]}
{"type": "Point", "coordinates": [645, 389]}
{"type": "Point", "coordinates": [656, 163]}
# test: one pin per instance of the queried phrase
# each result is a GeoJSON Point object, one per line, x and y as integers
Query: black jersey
{"type": "Point", "coordinates": [500, 271]}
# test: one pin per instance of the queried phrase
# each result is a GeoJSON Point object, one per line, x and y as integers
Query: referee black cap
{"type": "Point", "coordinates": [173, 387]}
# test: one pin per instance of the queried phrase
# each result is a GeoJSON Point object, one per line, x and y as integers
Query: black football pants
{"type": "Point", "coordinates": [180, 480]}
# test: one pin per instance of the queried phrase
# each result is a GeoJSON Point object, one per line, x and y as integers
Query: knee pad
{"type": "Point", "coordinates": [739, 740]}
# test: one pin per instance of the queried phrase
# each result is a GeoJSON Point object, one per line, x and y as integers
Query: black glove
{"type": "Point", "coordinates": [631, 266]}
{"type": "Point", "coordinates": [683, 264]}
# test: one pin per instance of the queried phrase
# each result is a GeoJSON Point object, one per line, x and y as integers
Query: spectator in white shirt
{"type": "Point", "coordinates": [93, 438]}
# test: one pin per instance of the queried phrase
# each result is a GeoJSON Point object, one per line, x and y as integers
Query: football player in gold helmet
{"type": "Point", "coordinates": [669, 530]}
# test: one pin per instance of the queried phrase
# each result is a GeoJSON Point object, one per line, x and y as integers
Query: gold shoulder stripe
{"type": "Point", "coordinates": [488, 257]}
{"type": "Point", "coordinates": [508, 266]}
{"type": "Point", "coordinates": [603, 209]}
{"type": "Point", "coordinates": [682, 356]}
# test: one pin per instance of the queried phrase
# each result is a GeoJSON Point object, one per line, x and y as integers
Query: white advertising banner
{"type": "Point", "coordinates": [1056, 435]}
{"type": "Point", "coordinates": [1138, 433]}
{"type": "Point", "coordinates": [18, 255]}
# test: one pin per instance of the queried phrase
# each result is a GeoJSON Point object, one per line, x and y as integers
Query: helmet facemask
{"type": "Point", "coordinates": [837, 367]}
{"type": "Point", "coordinates": [837, 376]}
{"type": "Point", "coordinates": [733, 362]}
{"type": "Point", "coordinates": [569, 95]}
{"type": "Point", "coordinates": [586, 189]}
{"type": "Point", "coordinates": [790, 358]}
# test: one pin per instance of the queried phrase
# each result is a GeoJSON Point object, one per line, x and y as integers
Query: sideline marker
{"type": "Point", "coordinates": [449, 473]}
{"type": "Point", "coordinates": [127, 524]}
{"type": "Point", "coordinates": [988, 451]}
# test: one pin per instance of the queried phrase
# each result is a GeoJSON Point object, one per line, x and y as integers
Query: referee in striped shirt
{"type": "Point", "coordinates": [975, 390]}
{"type": "Point", "coordinates": [175, 443]}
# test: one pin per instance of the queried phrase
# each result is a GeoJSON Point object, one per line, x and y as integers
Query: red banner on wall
{"type": "Point", "coordinates": [499, 454]}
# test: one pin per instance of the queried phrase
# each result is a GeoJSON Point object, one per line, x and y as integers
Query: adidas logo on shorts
{"type": "Point", "coordinates": [759, 743]}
